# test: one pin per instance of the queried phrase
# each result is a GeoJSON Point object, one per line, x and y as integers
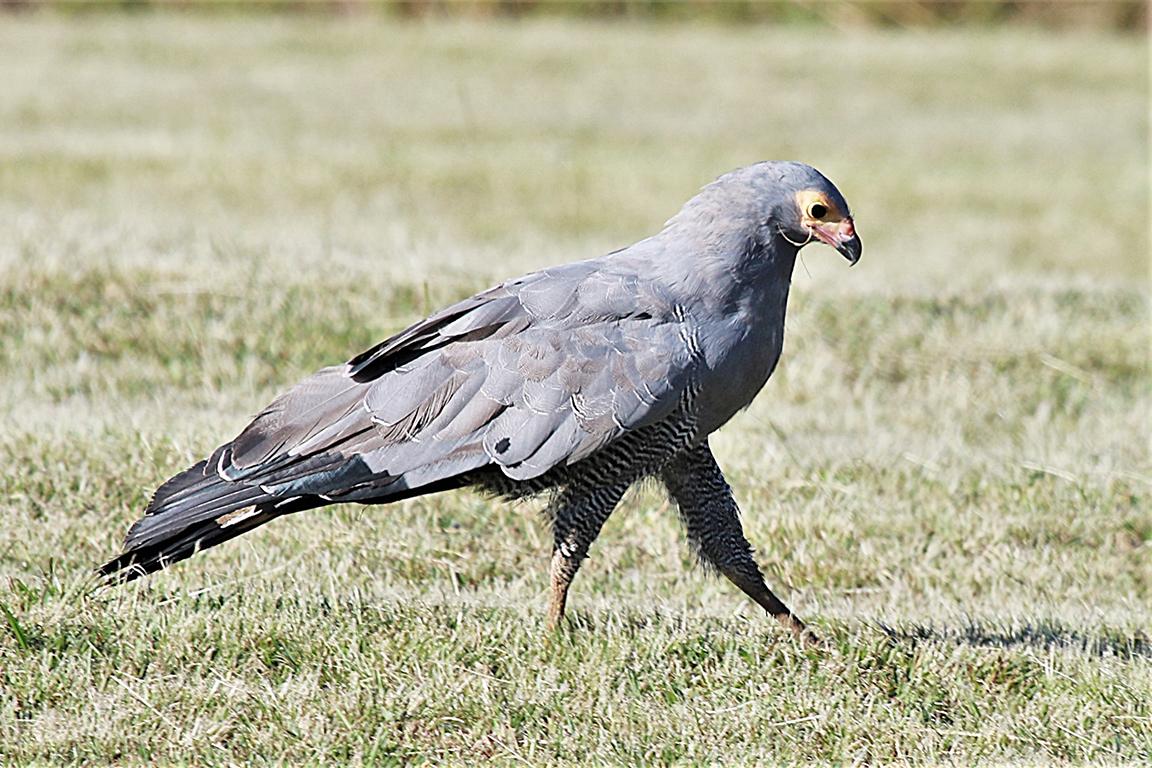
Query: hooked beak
{"type": "Point", "coordinates": [841, 236]}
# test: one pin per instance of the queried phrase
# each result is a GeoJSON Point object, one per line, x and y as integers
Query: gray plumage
{"type": "Point", "coordinates": [578, 379]}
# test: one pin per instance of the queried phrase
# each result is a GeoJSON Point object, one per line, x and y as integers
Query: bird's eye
{"type": "Point", "coordinates": [817, 210]}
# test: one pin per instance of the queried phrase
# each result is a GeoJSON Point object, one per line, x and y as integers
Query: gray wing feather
{"type": "Point", "coordinates": [398, 394]}
{"type": "Point", "coordinates": [289, 420]}
{"type": "Point", "coordinates": [552, 451]}
{"type": "Point", "coordinates": [538, 372]}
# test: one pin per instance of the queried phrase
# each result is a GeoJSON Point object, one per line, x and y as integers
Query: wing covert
{"type": "Point", "coordinates": [527, 376]}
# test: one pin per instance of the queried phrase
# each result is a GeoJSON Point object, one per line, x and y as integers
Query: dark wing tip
{"type": "Point", "coordinates": [123, 569]}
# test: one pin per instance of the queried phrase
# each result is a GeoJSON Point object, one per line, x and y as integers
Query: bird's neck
{"type": "Point", "coordinates": [728, 274]}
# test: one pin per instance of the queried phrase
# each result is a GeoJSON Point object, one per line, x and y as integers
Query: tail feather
{"type": "Point", "coordinates": [190, 498]}
{"type": "Point", "coordinates": [197, 509]}
{"type": "Point", "coordinates": [191, 512]}
{"type": "Point", "coordinates": [179, 485]}
{"type": "Point", "coordinates": [140, 561]}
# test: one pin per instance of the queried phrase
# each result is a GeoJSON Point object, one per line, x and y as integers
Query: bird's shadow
{"type": "Point", "coordinates": [1044, 635]}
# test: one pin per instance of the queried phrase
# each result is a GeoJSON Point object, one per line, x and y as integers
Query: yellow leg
{"type": "Point", "coordinates": [562, 572]}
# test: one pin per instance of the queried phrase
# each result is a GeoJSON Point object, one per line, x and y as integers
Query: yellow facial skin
{"type": "Point", "coordinates": [817, 209]}
{"type": "Point", "coordinates": [823, 219]}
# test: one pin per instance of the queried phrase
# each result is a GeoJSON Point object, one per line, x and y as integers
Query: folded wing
{"type": "Point", "coordinates": [533, 374]}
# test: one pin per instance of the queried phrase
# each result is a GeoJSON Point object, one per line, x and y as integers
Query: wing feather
{"type": "Point", "coordinates": [526, 376]}
{"type": "Point", "coordinates": [536, 373]}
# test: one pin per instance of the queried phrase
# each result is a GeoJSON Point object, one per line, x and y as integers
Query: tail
{"type": "Point", "coordinates": [193, 511]}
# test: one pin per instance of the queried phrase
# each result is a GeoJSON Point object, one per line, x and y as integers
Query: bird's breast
{"type": "Point", "coordinates": [741, 354]}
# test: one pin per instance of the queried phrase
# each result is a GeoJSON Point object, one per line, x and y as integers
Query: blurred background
{"type": "Point", "coordinates": [201, 203]}
{"type": "Point", "coordinates": [1128, 15]}
{"type": "Point", "coordinates": [987, 136]}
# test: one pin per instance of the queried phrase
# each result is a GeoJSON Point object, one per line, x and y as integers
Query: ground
{"type": "Point", "coordinates": [948, 476]}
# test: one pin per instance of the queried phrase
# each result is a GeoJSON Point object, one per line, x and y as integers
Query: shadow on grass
{"type": "Point", "coordinates": [1042, 634]}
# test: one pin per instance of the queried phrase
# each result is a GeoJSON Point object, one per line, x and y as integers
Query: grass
{"type": "Point", "coordinates": [949, 474]}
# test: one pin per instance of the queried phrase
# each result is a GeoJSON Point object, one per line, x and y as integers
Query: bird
{"type": "Point", "coordinates": [573, 383]}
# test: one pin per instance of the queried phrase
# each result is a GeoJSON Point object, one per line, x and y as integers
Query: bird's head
{"type": "Point", "coordinates": [783, 205]}
{"type": "Point", "coordinates": [811, 208]}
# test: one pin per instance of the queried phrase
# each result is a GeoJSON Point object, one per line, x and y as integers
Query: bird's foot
{"type": "Point", "coordinates": [801, 632]}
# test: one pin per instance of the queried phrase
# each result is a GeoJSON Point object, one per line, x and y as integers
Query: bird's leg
{"type": "Point", "coordinates": [562, 572]}
{"type": "Point", "coordinates": [577, 515]}
{"type": "Point", "coordinates": [748, 577]}
{"type": "Point", "coordinates": [712, 518]}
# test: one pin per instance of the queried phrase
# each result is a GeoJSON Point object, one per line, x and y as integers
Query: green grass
{"type": "Point", "coordinates": [949, 475]}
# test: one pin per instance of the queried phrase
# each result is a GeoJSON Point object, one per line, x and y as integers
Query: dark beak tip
{"type": "Point", "coordinates": [851, 251]}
